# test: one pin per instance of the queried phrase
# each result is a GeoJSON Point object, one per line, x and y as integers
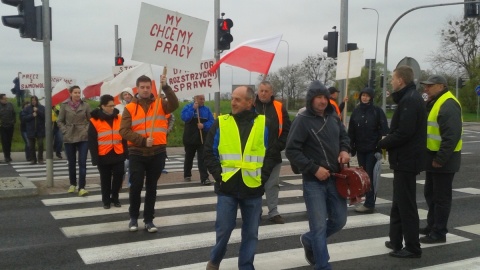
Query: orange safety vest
{"type": "Point", "coordinates": [142, 122]}
{"type": "Point", "coordinates": [108, 136]}
{"type": "Point", "coordinates": [334, 104]}
{"type": "Point", "coordinates": [278, 108]}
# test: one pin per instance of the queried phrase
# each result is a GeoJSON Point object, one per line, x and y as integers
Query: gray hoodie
{"type": "Point", "coordinates": [316, 140]}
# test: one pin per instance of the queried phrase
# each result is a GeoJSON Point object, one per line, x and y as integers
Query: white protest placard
{"type": "Point", "coordinates": [168, 38]}
{"type": "Point", "coordinates": [187, 84]}
{"type": "Point", "coordinates": [36, 81]}
{"type": "Point", "coordinates": [349, 64]}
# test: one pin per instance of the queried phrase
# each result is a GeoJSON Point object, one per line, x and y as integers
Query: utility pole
{"type": "Point", "coordinates": [343, 39]}
{"type": "Point", "coordinates": [47, 71]}
{"type": "Point", "coordinates": [216, 15]}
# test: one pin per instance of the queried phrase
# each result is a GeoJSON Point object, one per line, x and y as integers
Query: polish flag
{"type": "Point", "coordinates": [60, 93]}
{"type": "Point", "coordinates": [93, 86]}
{"type": "Point", "coordinates": [253, 55]}
{"type": "Point", "coordinates": [128, 78]}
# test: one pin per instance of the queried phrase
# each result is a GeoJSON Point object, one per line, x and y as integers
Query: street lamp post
{"type": "Point", "coordinates": [376, 46]}
{"type": "Point", "coordinates": [288, 63]}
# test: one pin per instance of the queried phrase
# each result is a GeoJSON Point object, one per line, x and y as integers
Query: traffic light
{"type": "Point", "coordinates": [460, 82]}
{"type": "Point", "coordinates": [25, 21]}
{"type": "Point", "coordinates": [332, 44]}
{"type": "Point", "coordinates": [119, 61]}
{"type": "Point", "coordinates": [224, 37]}
{"type": "Point", "coordinates": [471, 10]}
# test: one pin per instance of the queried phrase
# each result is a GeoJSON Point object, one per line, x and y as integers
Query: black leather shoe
{"type": "Point", "coordinates": [432, 239]}
{"type": "Point", "coordinates": [106, 206]}
{"type": "Point", "coordinates": [424, 231]}
{"type": "Point", "coordinates": [403, 253]}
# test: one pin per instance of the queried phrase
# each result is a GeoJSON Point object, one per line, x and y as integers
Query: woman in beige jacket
{"type": "Point", "coordinates": [73, 121]}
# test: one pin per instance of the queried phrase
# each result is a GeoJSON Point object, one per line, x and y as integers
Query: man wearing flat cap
{"type": "Point", "coordinates": [444, 145]}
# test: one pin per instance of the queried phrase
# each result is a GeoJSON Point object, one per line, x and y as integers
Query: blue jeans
{"type": "Point", "coordinates": [57, 140]}
{"type": "Point", "coordinates": [327, 214]}
{"type": "Point", "coordinates": [71, 151]}
{"type": "Point", "coordinates": [367, 161]}
{"type": "Point", "coordinates": [251, 210]}
{"type": "Point", "coordinates": [27, 146]}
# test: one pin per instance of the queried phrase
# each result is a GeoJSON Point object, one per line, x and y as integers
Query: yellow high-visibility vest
{"type": "Point", "coordinates": [433, 131]}
{"type": "Point", "coordinates": [232, 159]}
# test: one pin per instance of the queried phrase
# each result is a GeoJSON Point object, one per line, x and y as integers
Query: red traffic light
{"type": "Point", "coordinates": [119, 61]}
{"type": "Point", "coordinates": [226, 25]}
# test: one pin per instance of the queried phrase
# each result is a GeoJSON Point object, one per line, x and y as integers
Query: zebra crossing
{"type": "Point", "coordinates": [37, 172]}
{"type": "Point", "coordinates": [185, 216]}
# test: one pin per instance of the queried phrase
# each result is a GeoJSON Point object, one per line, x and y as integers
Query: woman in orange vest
{"type": "Point", "coordinates": [107, 149]}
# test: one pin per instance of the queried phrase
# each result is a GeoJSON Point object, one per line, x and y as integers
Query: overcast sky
{"type": "Point", "coordinates": [83, 33]}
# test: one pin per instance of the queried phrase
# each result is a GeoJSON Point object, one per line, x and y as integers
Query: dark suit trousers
{"type": "Point", "coordinates": [404, 220]}
{"type": "Point", "coordinates": [438, 194]}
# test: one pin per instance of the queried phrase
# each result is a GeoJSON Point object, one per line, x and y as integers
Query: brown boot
{"type": "Point", "coordinates": [211, 266]}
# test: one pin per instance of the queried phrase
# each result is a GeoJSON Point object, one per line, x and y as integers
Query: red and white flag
{"type": "Point", "coordinates": [253, 55]}
{"type": "Point", "coordinates": [128, 78]}
{"type": "Point", "coordinates": [93, 86]}
{"type": "Point", "coordinates": [60, 93]}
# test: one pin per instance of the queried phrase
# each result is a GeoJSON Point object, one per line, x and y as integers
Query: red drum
{"type": "Point", "coordinates": [352, 183]}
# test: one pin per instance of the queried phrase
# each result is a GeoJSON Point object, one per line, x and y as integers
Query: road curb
{"type": "Point", "coordinates": [17, 187]}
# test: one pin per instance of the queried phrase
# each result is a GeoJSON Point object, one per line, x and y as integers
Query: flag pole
{"type": "Point", "coordinates": [157, 100]}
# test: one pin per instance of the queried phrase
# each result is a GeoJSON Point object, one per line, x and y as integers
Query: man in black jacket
{"type": "Point", "coordinates": [405, 144]}
{"type": "Point", "coordinates": [317, 144]}
{"type": "Point", "coordinates": [237, 156]}
{"type": "Point", "coordinates": [444, 145]}
{"type": "Point", "coordinates": [7, 124]}
{"type": "Point", "coordinates": [276, 113]}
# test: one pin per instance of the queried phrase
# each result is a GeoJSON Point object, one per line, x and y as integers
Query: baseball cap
{"type": "Point", "coordinates": [435, 79]}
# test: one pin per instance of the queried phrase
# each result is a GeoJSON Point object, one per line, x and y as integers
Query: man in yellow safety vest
{"type": "Point", "coordinates": [444, 144]}
{"type": "Point", "coordinates": [237, 156]}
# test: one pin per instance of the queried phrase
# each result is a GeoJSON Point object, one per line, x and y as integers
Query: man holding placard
{"type": "Point", "coordinates": [144, 125]}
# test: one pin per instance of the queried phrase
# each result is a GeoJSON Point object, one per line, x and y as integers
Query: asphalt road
{"type": "Point", "coordinates": [67, 232]}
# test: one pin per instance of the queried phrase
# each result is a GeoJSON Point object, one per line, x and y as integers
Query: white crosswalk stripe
{"type": "Point", "coordinates": [37, 172]}
{"type": "Point", "coordinates": [183, 207]}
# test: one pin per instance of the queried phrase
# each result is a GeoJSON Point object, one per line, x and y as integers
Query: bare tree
{"type": "Point", "coordinates": [319, 67]}
{"type": "Point", "coordinates": [459, 47]}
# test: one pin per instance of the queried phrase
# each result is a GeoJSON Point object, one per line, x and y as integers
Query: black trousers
{"type": "Point", "coordinates": [32, 142]}
{"type": "Point", "coordinates": [111, 177]}
{"type": "Point", "coordinates": [438, 194]}
{"type": "Point", "coordinates": [7, 136]}
{"type": "Point", "coordinates": [190, 150]}
{"type": "Point", "coordinates": [404, 220]}
{"type": "Point", "coordinates": [149, 168]}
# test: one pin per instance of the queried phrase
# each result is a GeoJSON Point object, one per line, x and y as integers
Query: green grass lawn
{"type": "Point", "coordinates": [175, 138]}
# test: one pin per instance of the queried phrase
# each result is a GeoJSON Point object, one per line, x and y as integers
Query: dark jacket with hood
{"type": "Point", "coordinates": [450, 123]}
{"type": "Point", "coordinates": [235, 186]}
{"type": "Point", "coordinates": [367, 125]}
{"type": "Point", "coordinates": [268, 109]}
{"type": "Point", "coordinates": [35, 125]}
{"type": "Point", "coordinates": [111, 157]}
{"type": "Point", "coordinates": [407, 139]}
{"type": "Point", "coordinates": [191, 133]}
{"type": "Point", "coordinates": [139, 148]}
{"type": "Point", "coordinates": [316, 141]}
